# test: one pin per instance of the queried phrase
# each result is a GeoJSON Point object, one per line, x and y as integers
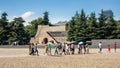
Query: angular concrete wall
{"type": "Point", "coordinates": [42, 33]}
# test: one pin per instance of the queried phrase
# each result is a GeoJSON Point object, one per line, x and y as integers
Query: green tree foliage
{"type": "Point", "coordinates": [81, 25]}
{"type": "Point", "coordinates": [71, 30]}
{"type": "Point", "coordinates": [92, 25]}
{"type": "Point", "coordinates": [32, 28]}
{"type": "Point", "coordinates": [111, 28]}
{"type": "Point", "coordinates": [118, 29]}
{"type": "Point", "coordinates": [18, 31]}
{"type": "Point", "coordinates": [101, 33]}
{"type": "Point", "coordinates": [15, 30]}
{"type": "Point", "coordinates": [77, 27]}
{"type": "Point", "coordinates": [45, 19]}
{"type": "Point", "coordinates": [84, 28]}
{"type": "Point", "coordinates": [33, 25]}
{"type": "Point", "coordinates": [4, 29]}
{"type": "Point", "coordinates": [12, 31]}
{"type": "Point", "coordinates": [101, 19]}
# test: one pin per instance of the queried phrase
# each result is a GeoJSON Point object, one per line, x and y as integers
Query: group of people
{"type": "Point", "coordinates": [66, 48]}
{"type": "Point", "coordinates": [108, 47]}
{"type": "Point", "coordinates": [33, 50]}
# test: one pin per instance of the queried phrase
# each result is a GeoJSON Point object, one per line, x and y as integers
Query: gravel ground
{"type": "Point", "coordinates": [19, 58]}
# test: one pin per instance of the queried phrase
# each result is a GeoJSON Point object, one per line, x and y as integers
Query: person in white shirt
{"type": "Point", "coordinates": [67, 49]}
{"type": "Point", "coordinates": [100, 47]}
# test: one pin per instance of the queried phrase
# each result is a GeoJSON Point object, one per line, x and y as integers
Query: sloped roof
{"type": "Point", "coordinates": [58, 36]}
{"type": "Point", "coordinates": [57, 33]}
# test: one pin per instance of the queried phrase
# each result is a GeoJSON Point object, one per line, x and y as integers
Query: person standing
{"type": "Point", "coordinates": [115, 46]}
{"type": "Point", "coordinates": [63, 48]}
{"type": "Point", "coordinates": [36, 49]}
{"type": "Point", "coordinates": [50, 44]}
{"type": "Point", "coordinates": [30, 48]}
{"type": "Point", "coordinates": [100, 47]}
{"type": "Point", "coordinates": [56, 49]}
{"type": "Point", "coordinates": [109, 48]}
{"type": "Point", "coordinates": [80, 47]}
{"type": "Point", "coordinates": [72, 48]}
{"type": "Point", "coordinates": [87, 48]}
{"type": "Point", "coordinates": [84, 48]}
{"type": "Point", "coordinates": [49, 49]}
{"type": "Point", "coordinates": [46, 49]}
{"type": "Point", "coordinates": [67, 48]}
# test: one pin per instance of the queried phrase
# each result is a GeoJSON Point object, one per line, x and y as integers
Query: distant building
{"type": "Point", "coordinates": [108, 13]}
{"type": "Point", "coordinates": [52, 33]}
{"type": "Point", "coordinates": [61, 23]}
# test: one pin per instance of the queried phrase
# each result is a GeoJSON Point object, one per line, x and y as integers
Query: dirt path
{"type": "Point", "coordinates": [19, 58]}
{"type": "Point", "coordinates": [22, 52]}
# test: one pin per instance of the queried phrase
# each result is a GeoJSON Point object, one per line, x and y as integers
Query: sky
{"type": "Point", "coordinates": [59, 10]}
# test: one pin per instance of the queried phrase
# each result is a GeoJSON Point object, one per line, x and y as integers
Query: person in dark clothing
{"type": "Point", "coordinates": [84, 49]}
{"type": "Point", "coordinates": [32, 49]}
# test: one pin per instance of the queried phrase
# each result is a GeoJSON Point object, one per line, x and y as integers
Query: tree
{"type": "Point", "coordinates": [118, 29]}
{"type": "Point", "coordinates": [92, 25]}
{"type": "Point", "coordinates": [31, 29]}
{"type": "Point", "coordinates": [101, 19]}
{"type": "Point", "coordinates": [76, 30]}
{"type": "Point", "coordinates": [20, 34]}
{"type": "Point", "coordinates": [101, 24]}
{"type": "Point", "coordinates": [4, 17]}
{"type": "Point", "coordinates": [83, 28]}
{"type": "Point", "coordinates": [92, 20]}
{"type": "Point", "coordinates": [71, 30]}
{"type": "Point", "coordinates": [4, 29]}
{"type": "Point", "coordinates": [81, 25]}
{"type": "Point", "coordinates": [111, 28]}
{"type": "Point", "coordinates": [45, 19]}
{"type": "Point", "coordinates": [33, 25]}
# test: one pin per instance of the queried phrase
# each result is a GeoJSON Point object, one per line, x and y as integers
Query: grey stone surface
{"type": "Point", "coordinates": [105, 43]}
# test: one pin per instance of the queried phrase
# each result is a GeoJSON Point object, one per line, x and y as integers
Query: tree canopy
{"type": "Point", "coordinates": [81, 27]}
{"type": "Point", "coordinates": [84, 28]}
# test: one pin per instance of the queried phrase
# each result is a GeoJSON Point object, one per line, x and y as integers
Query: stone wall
{"type": "Point", "coordinates": [42, 33]}
{"type": "Point", "coordinates": [105, 42]}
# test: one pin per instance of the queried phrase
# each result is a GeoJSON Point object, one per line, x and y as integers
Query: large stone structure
{"type": "Point", "coordinates": [52, 33]}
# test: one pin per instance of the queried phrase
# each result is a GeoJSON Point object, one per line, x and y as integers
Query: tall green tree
{"type": "Point", "coordinates": [45, 19]}
{"type": "Point", "coordinates": [101, 19]}
{"type": "Point", "coordinates": [111, 28]}
{"type": "Point", "coordinates": [77, 27]}
{"type": "Point", "coordinates": [118, 29]}
{"type": "Point", "coordinates": [92, 26]}
{"type": "Point", "coordinates": [19, 29]}
{"type": "Point", "coordinates": [71, 30]}
{"type": "Point", "coordinates": [87, 28]}
{"type": "Point", "coordinates": [92, 20]}
{"type": "Point", "coordinates": [101, 24]}
{"type": "Point", "coordinates": [81, 25]}
{"type": "Point", "coordinates": [4, 29]}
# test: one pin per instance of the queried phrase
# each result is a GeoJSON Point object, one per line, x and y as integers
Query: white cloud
{"type": "Point", "coordinates": [27, 14]}
{"type": "Point", "coordinates": [15, 17]}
